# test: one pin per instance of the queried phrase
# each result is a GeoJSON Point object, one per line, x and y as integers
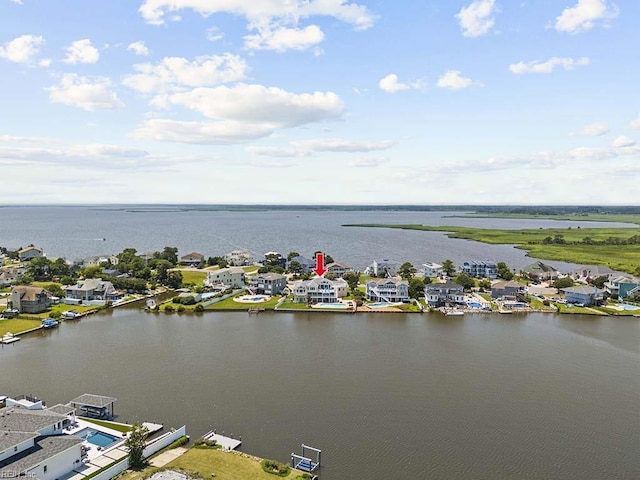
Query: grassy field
{"type": "Point", "coordinates": [226, 466]}
{"type": "Point", "coordinates": [119, 427]}
{"type": "Point", "coordinates": [15, 325]}
{"type": "Point", "coordinates": [59, 308]}
{"type": "Point", "coordinates": [194, 277]}
{"type": "Point", "coordinates": [618, 257]}
{"type": "Point", "coordinates": [586, 217]}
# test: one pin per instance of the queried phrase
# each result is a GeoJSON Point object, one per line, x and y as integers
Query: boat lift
{"type": "Point", "coordinates": [304, 463]}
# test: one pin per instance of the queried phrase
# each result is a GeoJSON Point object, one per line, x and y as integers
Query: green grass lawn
{"type": "Point", "coordinates": [290, 305]}
{"type": "Point", "coordinates": [618, 257]}
{"type": "Point", "coordinates": [119, 427]}
{"type": "Point", "coordinates": [59, 308]}
{"type": "Point", "coordinates": [194, 277]}
{"type": "Point", "coordinates": [226, 466]}
{"type": "Point", "coordinates": [577, 310]}
{"type": "Point", "coordinates": [591, 217]}
{"type": "Point", "coordinates": [230, 304]}
{"type": "Point", "coordinates": [16, 325]}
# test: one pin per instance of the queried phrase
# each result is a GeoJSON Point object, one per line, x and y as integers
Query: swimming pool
{"type": "Point", "coordinates": [251, 299]}
{"type": "Point", "coordinates": [626, 306]}
{"type": "Point", "coordinates": [380, 304]}
{"type": "Point", "coordinates": [474, 305]}
{"type": "Point", "coordinates": [337, 306]}
{"type": "Point", "coordinates": [95, 437]}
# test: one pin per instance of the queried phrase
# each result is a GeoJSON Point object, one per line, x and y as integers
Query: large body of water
{"type": "Point", "coordinates": [77, 232]}
{"type": "Point", "coordinates": [401, 396]}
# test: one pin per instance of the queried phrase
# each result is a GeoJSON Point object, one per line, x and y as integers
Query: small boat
{"type": "Point", "coordinates": [255, 310]}
{"type": "Point", "coordinates": [69, 315]}
{"type": "Point", "coordinates": [49, 323]}
{"type": "Point", "coordinates": [452, 312]}
{"type": "Point", "coordinates": [151, 304]}
{"type": "Point", "coordinates": [9, 338]}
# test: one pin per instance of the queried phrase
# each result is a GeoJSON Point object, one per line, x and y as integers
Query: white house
{"type": "Point", "coordinates": [239, 258]}
{"type": "Point", "coordinates": [388, 289]}
{"type": "Point", "coordinates": [232, 277]}
{"type": "Point", "coordinates": [431, 269]}
{"type": "Point", "coordinates": [438, 294]}
{"type": "Point", "coordinates": [32, 444]}
{"type": "Point", "coordinates": [382, 268]}
{"type": "Point", "coordinates": [29, 253]}
{"type": "Point", "coordinates": [319, 290]}
{"type": "Point", "coordinates": [338, 269]}
{"type": "Point", "coordinates": [92, 289]}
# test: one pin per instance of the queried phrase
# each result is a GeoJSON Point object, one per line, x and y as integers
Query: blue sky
{"type": "Point", "coordinates": [320, 101]}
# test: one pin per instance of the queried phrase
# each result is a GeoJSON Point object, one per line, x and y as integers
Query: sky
{"type": "Point", "coordinates": [320, 102]}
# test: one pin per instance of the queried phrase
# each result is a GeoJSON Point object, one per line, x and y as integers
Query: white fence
{"type": "Point", "coordinates": [152, 447]}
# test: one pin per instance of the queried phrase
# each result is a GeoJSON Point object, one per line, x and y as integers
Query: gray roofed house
{"type": "Point", "coordinates": [92, 289]}
{"type": "Point", "coordinates": [31, 460]}
{"type": "Point", "coordinates": [506, 289]}
{"type": "Point", "coordinates": [540, 271]}
{"type": "Point", "coordinates": [27, 299]}
{"type": "Point", "coordinates": [23, 420]}
{"type": "Point", "coordinates": [269, 283]}
{"type": "Point", "coordinates": [62, 409]}
{"type": "Point", "coordinates": [583, 295]}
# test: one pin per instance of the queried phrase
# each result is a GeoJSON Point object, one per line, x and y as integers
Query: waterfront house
{"type": "Point", "coordinates": [480, 269]}
{"type": "Point", "coordinates": [382, 268]}
{"type": "Point", "coordinates": [239, 258]}
{"type": "Point", "coordinates": [540, 272]}
{"type": "Point", "coordinates": [92, 289]}
{"type": "Point", "coordinates": [431, 270]}
{"type": "Point", "coordinates": [30, 252]}
{"type": "Point", "coordinates": [32, 444]}
{"type": "Point", "coordinates": [8, 275]}
{"type": "Point", "coordinates": [440, 294]}
{"type": "Point", "coordinates": [622, 285]}
{"type": "Point", "coordinates": [95, 261]}
{"type": "Point", "coordinates": [307, 264]}
{"type": "Point", "coordinates": [269, 283]}
{"type": "Point", "coordinates": [338, 269]}
{"type": "Point", "coordinates": [392, 289]}
{"type": "Point", "coordinates": [192, 259]}
{"type": "Point", "coordinates": [319, 290]}
{"type": "Point", "coordinates": [507, 289]}
{"type": "Point", "coordinates": [231, 277]}
{"type": "Point", "coordinates": [27, 299]}
{"type": "Point", "coordinates": [583, 295]}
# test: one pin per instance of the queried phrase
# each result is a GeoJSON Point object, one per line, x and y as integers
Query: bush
{"type": "Point", "coordinates": [275, 468]}
{"type": "Point", "coordinates": [169, 309]}
{"type": "Point", "coordinates": [180, 308]}
{"type": "Point", "coordinates": [199, 308]}
{"type": "Point", "coordinates": [205, 443]}
{"type": "Point", "coordinates": [55, 315]}
{"type": "Point", "coordinates": [546, 303]}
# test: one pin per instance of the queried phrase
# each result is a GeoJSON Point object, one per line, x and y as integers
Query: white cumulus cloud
{"type": "Point", "coordinates": [622, 142]}
{"type": "Point", "coordinates": [81, 51]}
{"type": "Point", "coordinates": [85, 93]}
{"type": "Point", "coordinates": [139, 48]}
{"type": "Point", "coordinates": [206, 133]}
{"type": "Point", "coordinates": [367, 162]}
{"type": "Point", "coordinates": [305, 148]}
{"type": "Point", "coordinates": [635, 124]}
{"type": "Point", "coordinates": [584, 15]}
{"type": "Point", "coordinates": [476, 19]}
{"type": "Point", "coordinates": [548, 66]}
{"type": "Point", "coordinates": [391, 84]}
{"type": "Point", "coordinates": [282, 39]}
{"type": "Point", "coordinates": [173, 73]}
{"type": "Point", "coordinates": [21, 49]}
{"type": "Point", "coordinates": [214, 34]}
{"type": "Point", "coordinates": [593, 130]}
{"type": "Point", "coordinates": [454, 80]}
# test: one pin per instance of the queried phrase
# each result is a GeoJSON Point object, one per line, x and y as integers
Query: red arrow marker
{"type": "Point", "coordinates": [320, 264]}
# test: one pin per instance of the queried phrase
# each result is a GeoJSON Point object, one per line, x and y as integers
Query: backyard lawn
{"type": "Point", "coordinates": [194, 277]}
{"type": "Point", "coordinates": [226, 465]}
{"type": "Point", "coordinates": [15, 325]}
{"type": "Point", "coordinates": [230, 304]}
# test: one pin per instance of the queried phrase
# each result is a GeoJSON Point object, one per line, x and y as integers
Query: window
{"type": "Point", "coordinates": [45, 469]}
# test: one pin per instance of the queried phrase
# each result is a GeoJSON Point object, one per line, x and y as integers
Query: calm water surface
{"type": "Point", "coordinates": [383, 395]}
{"type": "Point", "coordinates": [77, 232]}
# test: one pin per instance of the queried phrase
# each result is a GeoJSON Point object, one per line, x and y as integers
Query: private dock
{"type": "Point", "coordinates": [227, 443]}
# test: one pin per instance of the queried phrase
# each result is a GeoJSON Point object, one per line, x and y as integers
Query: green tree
{"type": "Point", "coordinates": [327, 258]}
{"type": "Point", "coordinates": [484, 284]}
{"type": "Point", "coordinates": [174, 279]}
{"type": "Point", "coordinates": [465, 280]}
{"type": "Point", "coordinates": [563, 282]}
{"type": "Point", "coordinates": [91, 272]}
{"type": "Point", "coordinates": [352, 279]}
{"type": "Point", "coordinates": [292, 255]}
{"type": "Point", "coordinates": [407, 271]}
{"type": "Point", "coordinates": [170, 254]}
{"type": "Point", "coordinates": [135, 442]}
{"type": "Point", "coordinates": [600, 281]}
{"type": "Point", "coordinates": [504, 271]}
{"type": "Point", "coordinates": [295, 267]}
{"type": "Point", "coordinates": [449, 268]}
{"type": "Point", "coordinates": [39, 268]}
{"type": "Point", "coordinates": [55, 290]}
{"type": "Point", "coordinates": [416, 287]}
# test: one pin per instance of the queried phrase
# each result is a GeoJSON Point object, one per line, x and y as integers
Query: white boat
{"type": "Point", "coordinates": [9, 338]}
{"type": "Point", "coordinates": [151, 303]}
{"type": "Point", "coordinates": [69, 315]}
{"type": "Point", "coordinates": [452, 312]}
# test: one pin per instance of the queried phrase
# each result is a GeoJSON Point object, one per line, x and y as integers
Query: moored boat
{"type": "Point", "coordinates": [9, 338]}
{"type": "Point", "coordinates": [49, 323]}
